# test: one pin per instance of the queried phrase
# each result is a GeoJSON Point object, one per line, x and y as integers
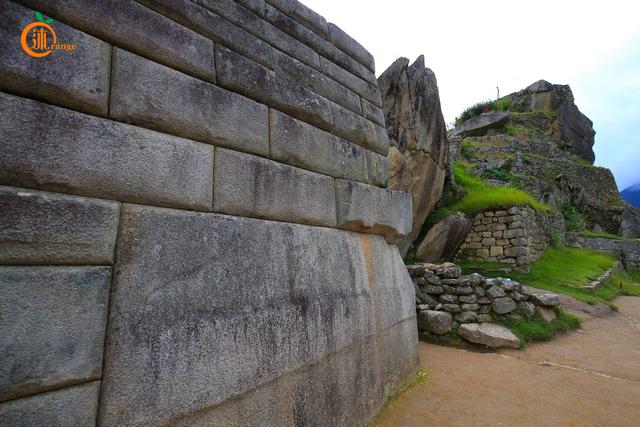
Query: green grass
{"type": "Point", "coordinates": [565, 270]}
{"type": "Point", "coordinates": [588, 233]}
{"type": "Point", "coordinates": [480, 197]}
{"type": "Point", "coordinates": [574, 219]}
{"type": "Point", "coordinates": [538, 329]}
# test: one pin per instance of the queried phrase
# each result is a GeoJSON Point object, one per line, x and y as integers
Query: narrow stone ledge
{"type": "Point", "coordinates": [247, 185]}
{"type": "Point", "coordinates": [48, 228]}
{"type": "Point", "coordinates": [128, 24]}
{"type": "Point", "coordinates": [370, 209]}
{"type": "Point", "coordinates": [77, 80]}
{"type": "Point", "coordinates": [151, 95]}
{"type": "Point", "coordinates": [300, 144]}
{"type": "Point", "coordinates": [52, 327]}
{"type": "Point", "coordinates": [51, 148]}
{"type": "Point", "coordinates": [67, 407]}
{"type": "Point", "coordinates": [355, 128]}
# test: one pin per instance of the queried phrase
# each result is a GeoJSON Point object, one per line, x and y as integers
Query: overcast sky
{"type": "Point", "coordinates": [474, 46]}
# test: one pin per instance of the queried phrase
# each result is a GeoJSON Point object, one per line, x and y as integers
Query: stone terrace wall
{"type": "Point", "coordinates": [516, 237]}
{"type": "Point", "coordinates": [628, 250]}
{"type": "Point", "coordinates": [193, 219]}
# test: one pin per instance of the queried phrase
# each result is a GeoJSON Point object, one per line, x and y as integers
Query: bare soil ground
{"type": "Point", "coordinates": [589, 377]}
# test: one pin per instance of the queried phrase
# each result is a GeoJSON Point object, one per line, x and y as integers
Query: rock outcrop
{"type": "Point", "coordinates": [443, 239]}
{"type": "Point", "coordinates": [630, 224]}
{"type": "Point", "coordinates": [478, 125]}
{"type": "Point", "coordinates": [418, 152]}
{"type": "Point", "coordinates": [571, 129]}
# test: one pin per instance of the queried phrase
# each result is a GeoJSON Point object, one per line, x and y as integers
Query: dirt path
{"type": "Point", "coordinates": [586, 378]}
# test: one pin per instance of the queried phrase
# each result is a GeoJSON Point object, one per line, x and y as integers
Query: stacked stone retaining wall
{"type": "Point", "coordinates": [516, 237]}
{"type": "Point", "coordinates": [195, 227]}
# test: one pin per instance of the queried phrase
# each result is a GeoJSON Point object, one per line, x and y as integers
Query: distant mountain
{"type": "Point", "coordinates": [632, 195]}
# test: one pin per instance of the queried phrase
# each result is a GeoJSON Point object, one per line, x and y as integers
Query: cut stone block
{"type": "Point", "coordinates": [132, 26]}
{"type": "Point", "coordinates": [240, 74]}
{"type": "Point", "coordinates": [247, 185]}
{"type": "Point", "coordinates": [52, 327]}
{"type": "Point", "coordinates": [370, 209]}
{"type": "Point", "coordinates": [49, 228]}
{"type": "Point", "coordinates": [151, 95]}
{"type": "Point", "coordinates": [300, 144]}
{"type": "Point", "coordinates": [68, 407]}
{"type": "Point", "coordinates": [232, 304]}
{"type": "Point", "coordinates": [90, 156]}
{"type": "Point", "coordinates": [78, 80]}
{"type": "Point", "coordinates": [355, 128]}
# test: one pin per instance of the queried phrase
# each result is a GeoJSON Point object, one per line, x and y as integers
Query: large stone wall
{"type": "Point", "coordinates": [516, 237]}
{"type": "Point", "coordinates": [195, 227]}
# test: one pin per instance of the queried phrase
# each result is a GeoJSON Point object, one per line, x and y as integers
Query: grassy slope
{"type": "Point", "coordinates": [565, 270]}
{"type": "Point", "coordinates": [480, 196]}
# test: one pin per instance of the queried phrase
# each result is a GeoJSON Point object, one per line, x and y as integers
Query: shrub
{"type": "Point", "coordinates": [501, 174]}
{"type": "Point", "coordinates": [574, 220]}
{"type": "Point", "coordinates": [502, 104]}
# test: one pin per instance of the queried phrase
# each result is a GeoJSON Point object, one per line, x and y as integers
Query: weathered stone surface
{"type": "Point", "coordinates": [377, 169]}
{"type": "Point", "coordinates": [159, 39]}
{"type": "Point", "coordinates": [251, 186]}
{"type": "Point", "coordinates": [353, 48]}
{"type": "Point", "coordinates": [418, 134]}
{"type": "Point", "coordinates": [249, 21]}
{"type": "Point", "coordinates": [489, 334]}
{"type": "Point", "coordinates": [550, 300]}
{"type": "Point", "coordinates": [574, 130]}
{"type": "Point", "coordinates": [451, 308]}
{"type": "Point", "coordinates": [371, 209]}
{"type": "Point", "coordinates": [303, 75]}
{"type": "Point", "coordinates": [368, 91]}
{"type": "Point", "coordinates": [49, 228]}
{"type": "Point", "coordinates": [466, 316]}
{"type": "Point", "coordinates": [503, 305]}
{"type": "Point", "coordinates": [495, 292]}
{"type": "Point", "coordinates": [335, 396]}
{"type": "Point", "coordinates": [68, 407]}
{"type": "Point", "coordinates": [242, 75]}
{"type": "Point", "coordinates": [219, 323]}
{"type": "Point", "coordinates": [479, 124]}
{"type": "Point", "coordinates": [209, 24]}
{"type": "Point", "coordinates": [76, 153]}
{"type": "Point", "coordinates": [448, 298]}
{"type": "Point", "coordinates": [303, 14]}
{"type": "Point", "coordinates": [526, 308]}
{"type": "Point", "coordinates": [78, 80]}
{"type": "Point", "coordinates": [436, 322]}
{"type": "Point", "coordinates": [443, 239]}
{"type": "Point", "coordinates": [355, 128]}
{"type": "Point", "coordinates": [373, 113]}
{"type": "Point", "coordinates": [630, 224]}
{"type": "Point", "coordinates": [151, 95]}
{"type": "Point", "coordinates": [546, 313]}
{"type": "Point", "coordinates": [318, 43]}
{"type": "Point", "coordinates": [300, 144]}
{"type": "Point", "coordinates": [52, 327]}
